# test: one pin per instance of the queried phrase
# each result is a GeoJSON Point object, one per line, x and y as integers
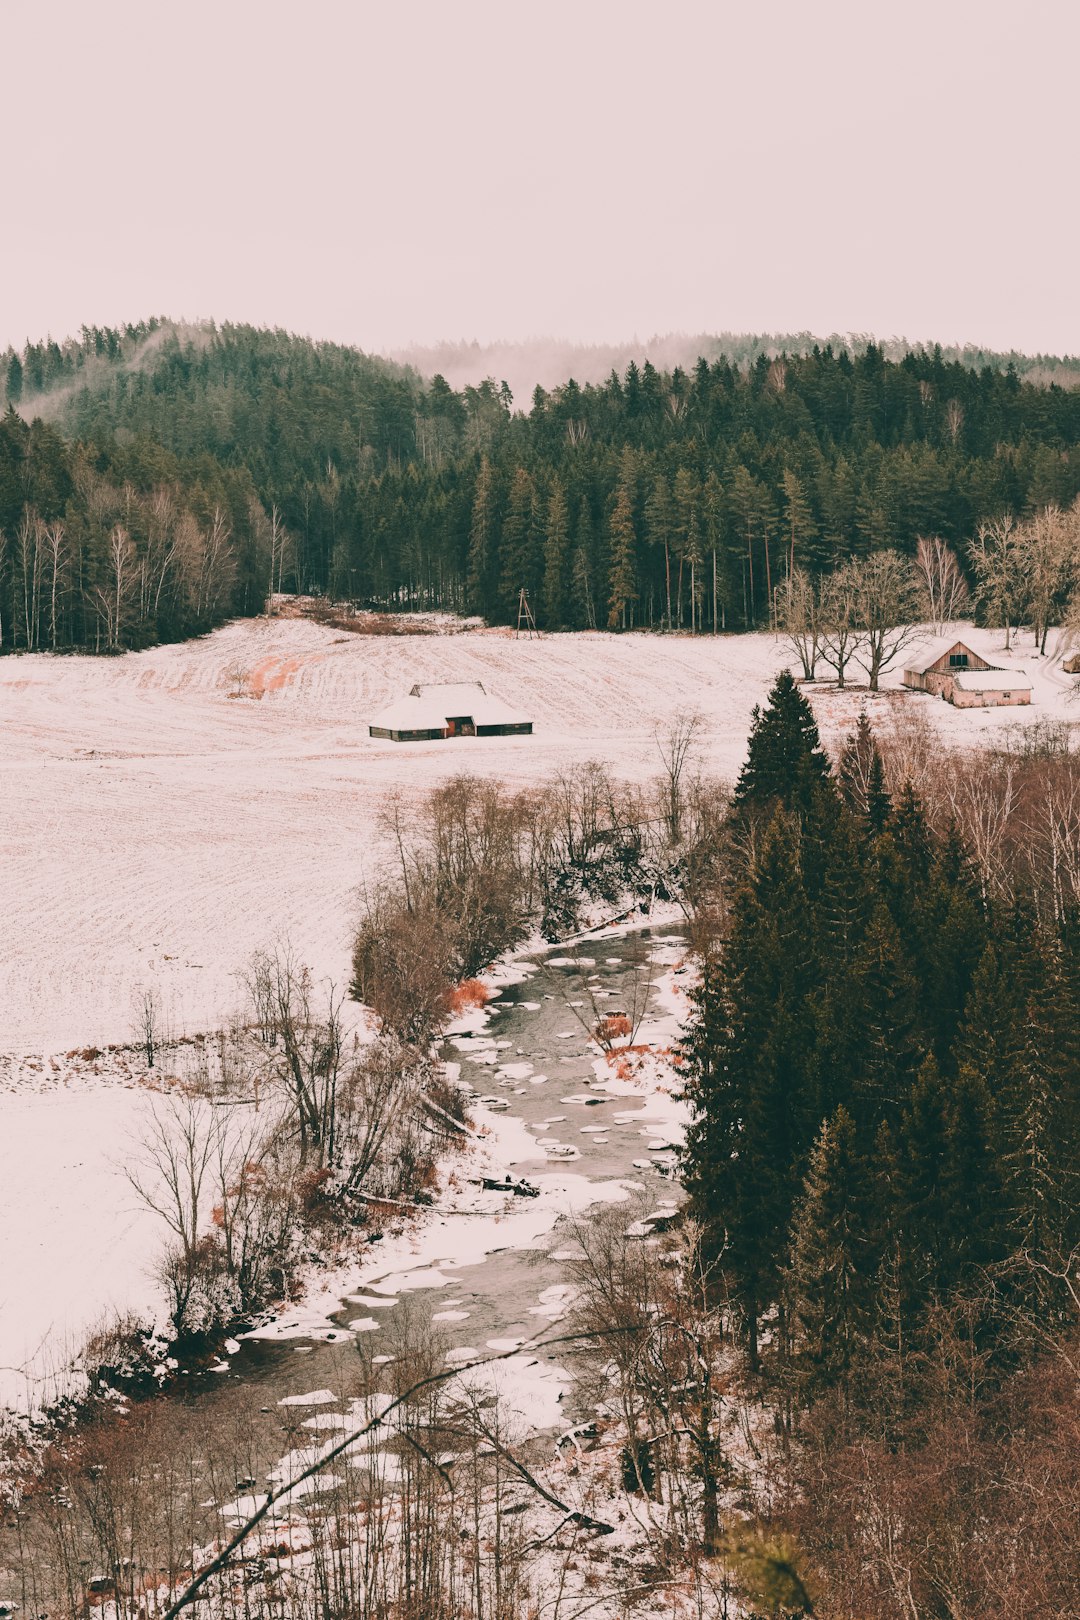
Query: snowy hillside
{"type": "Point", "coordinates": [156, 829]}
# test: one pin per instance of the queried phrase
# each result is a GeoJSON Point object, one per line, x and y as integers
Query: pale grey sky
{"type": "Point", "coordinates": [380, 173]}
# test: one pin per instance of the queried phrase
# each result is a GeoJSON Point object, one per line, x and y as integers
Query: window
{"type": "Point", "coordinates": [958, 660]}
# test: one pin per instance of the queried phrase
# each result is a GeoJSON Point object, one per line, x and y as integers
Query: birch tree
{"type": "Point", "coordinates": [942, 580]}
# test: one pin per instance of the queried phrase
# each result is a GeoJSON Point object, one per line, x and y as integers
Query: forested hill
{"type": "Point", "coordinates": [168, 476]}
{"type": "Point", "coordinates": [283, 405]}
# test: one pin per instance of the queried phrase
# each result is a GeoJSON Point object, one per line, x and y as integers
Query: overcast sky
{"type": "Point", "coordinates": [386, 172]}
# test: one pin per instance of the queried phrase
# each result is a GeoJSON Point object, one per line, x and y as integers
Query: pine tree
{"type": "Point", "coordinates": [623, 593]}
{"type": "Point", "coordinates": [556, 548]}
{"type": "Point", "coordinates": [482, 541]}
{"type": "Point", "coordinates": [712, 512]}
{"type": "Point", "coordinates": [799, 523]}
{"type": "Point", "coordinates": [660, 530]}
{"type": "Point", "coordinates": [784, 749]}
{"type": "Point", "coordinates": [861, 776]}
{"type": "Point", "coordinates": [516, 550]}
{"type": "Point", "coordinates": [833, 1264]}
{"type": "Point", "coordinates": [756, 1110]}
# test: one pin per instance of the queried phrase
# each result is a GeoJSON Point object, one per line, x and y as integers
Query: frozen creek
{"type": "Point", "coordinates": [495, 1276]}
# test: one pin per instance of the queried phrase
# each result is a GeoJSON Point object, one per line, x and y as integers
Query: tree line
{"type": "Point", "coordinates": [660, 498]}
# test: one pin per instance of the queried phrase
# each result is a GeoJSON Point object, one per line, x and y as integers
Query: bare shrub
{"type": "Point", "coordinates": [302, 1033]}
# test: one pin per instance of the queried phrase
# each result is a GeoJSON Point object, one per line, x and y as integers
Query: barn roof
{"type": "Point", "coordinates": [429, 707]}
{"type": "Point", "coordinates": [925, 657]}
{"type": "Point", "coordinates": [992, 680]}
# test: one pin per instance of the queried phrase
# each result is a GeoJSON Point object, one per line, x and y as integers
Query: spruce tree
{"type": "Point", "coordinates": [784, 750]}
{"type": "Point", "coordinates": [515, 548]}
{"type": "Point", "coordinates": [861, 776]}
{"type": "Point", "coordinates": [623, 591]}
{"type": "Point", "coordinates": [556, 549]}
{"type": "Point", "coordinates": [923, 1160]}
{"type": "Point", "coordinates": [952, 931]}
{"type": "Point", "coordinates": [482, 541]}
{"type": "Point", "coordinates": [832, 1260]}
{"type": "Point", "coordinates": [892, 1043]}
{"type": "Point", "coordinates": [755, 1109]}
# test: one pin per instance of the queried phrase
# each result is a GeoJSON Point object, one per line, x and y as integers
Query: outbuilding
{"type": "Point", "coordinates": [1071, 665]}
{"type": "Point", "coordinates": [964, 678]}
{"type": "Point", "coordinates": [455, 709]}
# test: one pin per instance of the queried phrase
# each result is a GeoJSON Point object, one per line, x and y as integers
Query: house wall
{"type": "Point", "coordinates": [1009, 699]}
{"type": "Point", "coordinates": [405, 736]}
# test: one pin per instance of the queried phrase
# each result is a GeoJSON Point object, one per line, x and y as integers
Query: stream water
{"type": "Point", "coordinates": [555, 1129]}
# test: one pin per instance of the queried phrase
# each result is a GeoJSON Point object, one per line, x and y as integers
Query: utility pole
{"type": "Point", "coordinates": [525, 620]}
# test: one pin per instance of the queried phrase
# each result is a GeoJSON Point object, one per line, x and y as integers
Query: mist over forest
{"type": "Point", "coordinates": [531, 363]}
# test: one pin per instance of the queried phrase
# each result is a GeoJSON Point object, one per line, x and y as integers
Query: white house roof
{"type": "Point", "coordinates": [428, 708]}
{"type": "Point", "coordinates": [991, 680]}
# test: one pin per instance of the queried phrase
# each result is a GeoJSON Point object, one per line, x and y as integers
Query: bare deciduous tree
{"type": "Point", "coordinates": [675, 747]}
{"type": "Point", "coordinates": [943, 583]}
{"type": "Point", "coordinates": [1048, 559]}
{"type": "Point", "coordinates": [995, 557]}
{"type": "Point", "coordinates": [798, 615]}
{"type": "Point", "coordinates": [304, 1040]}
{"type": "Point", "coordinates": [839, 636]}
{"type": "Point", "coordinates": [147, 1021]}
{"type": "Point", "coordinates": [885, 602]}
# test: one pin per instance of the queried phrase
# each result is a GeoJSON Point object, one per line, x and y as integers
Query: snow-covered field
{"type": "Point", "coordinates": [155, 830]}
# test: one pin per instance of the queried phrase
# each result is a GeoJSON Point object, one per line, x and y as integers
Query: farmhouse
{"type": "Point", "coordinates": [1071, 665]}
{"type": "Point", "coordinates": [965, 679]}
{"type": "Point", "coordinates": [462, 709]}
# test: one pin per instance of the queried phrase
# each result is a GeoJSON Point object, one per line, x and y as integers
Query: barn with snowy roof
{"type": "Point", "coordinates": [966, 679]}
{"type": "Point", "coordinates": [457, 709]}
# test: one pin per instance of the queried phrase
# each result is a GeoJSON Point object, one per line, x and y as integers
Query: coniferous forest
{"type": "Point", "coordinates": [885, 1067]}
{"type": "Point", "coordinates": [158, 479]}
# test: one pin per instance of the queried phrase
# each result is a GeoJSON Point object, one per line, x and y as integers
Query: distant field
{"type": "Point", "coordinates": [156, 829]}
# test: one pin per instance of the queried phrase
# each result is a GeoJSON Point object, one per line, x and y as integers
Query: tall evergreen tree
{"type": "Point", "coordinates": [516, 549]}
{"type": "Point", "coordinates": [482, 541]}
{"type": "Point", "coordinates": [784, 752]}
{"type": "Point", "coordinates": [623, 592]}
{"type": "Point", "coordinates": [756, 1109]}
{"type": "Point", "coordinates": [833, 1260]}
{"type": "Point", "coordinates": [556, 555]}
